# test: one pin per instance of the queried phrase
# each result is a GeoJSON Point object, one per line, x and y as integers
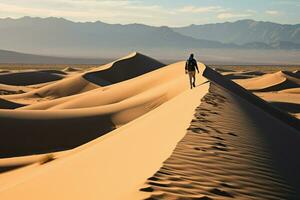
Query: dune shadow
{"type": "Point", "coordinates": [21, 137]}
{"type": "Point", "coordinates": [123, 70]}
{"type": "Point", "coordinates": [10, 168]}
{"type": "Point", "coordinates": [288, 107]}
{"type": "Point", "coordinates": [29, 78]}
{"type": "Point", "coordinates": [5, 104]}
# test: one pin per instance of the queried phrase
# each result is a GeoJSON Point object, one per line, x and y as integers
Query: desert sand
{"type": "Point", "coordinates": [133, 129]}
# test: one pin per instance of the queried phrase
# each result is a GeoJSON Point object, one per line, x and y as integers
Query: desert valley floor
{"type": "Point", "coordinates": [133, 129]}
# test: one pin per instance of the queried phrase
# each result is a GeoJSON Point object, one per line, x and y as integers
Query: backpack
{"type": "Point", "coordinates": [191, 64]}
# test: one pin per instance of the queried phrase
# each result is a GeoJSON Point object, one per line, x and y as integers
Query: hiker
{"type": "Point", "coordinates": [190, 68]}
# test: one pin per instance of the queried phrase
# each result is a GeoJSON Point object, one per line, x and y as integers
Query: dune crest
{"type": "Point", "coordinates": [271, 82]}
{"type": "Point", "coordinates": [120, 70]}
{"type": "Point", "coordinates": [123, 69]}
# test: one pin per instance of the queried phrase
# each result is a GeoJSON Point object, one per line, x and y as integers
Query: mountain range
{"type": "Point", "coordinates": [58, 36]}
{"type": "Point", "coordinates": [245, 31]}
{"type": "Point", "coordinates": [244, 41]}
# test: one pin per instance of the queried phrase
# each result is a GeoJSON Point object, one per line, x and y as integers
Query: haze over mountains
{"type": "Point", "coordinates": [16, 57]}
{"type": "Point", "coordinates": [245, 31]}
{"type": "Point", "coordinates": [61, 37]}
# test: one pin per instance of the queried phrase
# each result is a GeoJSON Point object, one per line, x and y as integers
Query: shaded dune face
{"type": "Point", "coordinates": [5, 104]}
{"type": "Point", "coordinates": [235, 148]}
{"type": "Point", "coordinates": [123, 69]}
{"type": "Point", "coordinates": [243, 93]}
{"type": "Point", "coordinates": [280, 89]}
{"type": "Point", "coordinates": [48, 132]}
{"type": "Point", "coordinates": [31, 77]}
{"type": "Point", "coordinates": [242, 75]}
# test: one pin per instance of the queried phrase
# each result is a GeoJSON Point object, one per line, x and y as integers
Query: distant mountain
{"type": "Point", "coordinates": [244, 31]}
{"type": "Point", "coordinates": [57, 35]}
{"type": "Point", "coordinates": [61, 37]}
{"type": "Point", "coordinates": [285, 45]}
{"type": "Point", "coordinates": [16, 57]}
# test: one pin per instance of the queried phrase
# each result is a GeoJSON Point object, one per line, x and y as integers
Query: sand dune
{"type": "Point", "coordinates": [123, 69]}
{"type": "Point", "coordinates": [137, 148]}
{"type": "Point", "coordinates": [286, 100]}
{"type": "Point", "coordinates": [222, 157]}
{"type": "Point", "coordinates": [5, 104]}
{"type": "Point", "coordinates": [237, 146]}
{"type": "Point", "coordinates": [155, 83]}
{"type": "Point", "coordinates": [292, 91]}
{"type": "Point", "coordinates": [66, 87]}
{"type": "Point", "coordinates": [233, 148]}
{"type": "Point", "coordinates": [95, 112]}
{"type": "Point", "coordinates": [10, 89]}
{"type": "Point", "coordinates": [71, 69]}
{"type": "Point", "coordinates": [271, 82]}
{"type": "Point", "coordinates": [281, 89]}
{"type": "Point", "coordinates": [242, 74]}
{"type": "Point", "coordinates": [8, 164]}
{"type": "Point", "coordinates": [30, 77]}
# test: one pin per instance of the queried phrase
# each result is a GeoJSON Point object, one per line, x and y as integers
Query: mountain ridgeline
{"type": "Point", "coordinates": [246, 32]}
{"type": "Point", "coordinates": [60, 35]}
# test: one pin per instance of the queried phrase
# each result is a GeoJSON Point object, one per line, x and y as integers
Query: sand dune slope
{"type": "Point", "coordinates": [66, 87]}
{"type": "Point", "coordinates": [287, 100]}
{"type": "Point", "coordinates": [5, 104]}
{"type": "Point", "coordinates": [242, 74]}
{"type": "Point", "coordinates": [71, 69]}
{"type": "Point", "coordinates": [156, 82]}
{"type": "Point", "coordinates": [30, 77]}
{"type": "Point", "coordinates": [112, 166]}
{"type": "Point", "coordinates": [234, 148]}
{"type": "Point", "coordinates": [123, 69]}
{"type": "Point", "coordinates": [281, 89]}
{"type": "Point", "coordinates": [11, 89]}
{"type": "Point", "coordinates": [78, 119]}
{"type": "Point", "coordinates": [237, 146]}
{"type": "Point", "coordinates": [292, 91]}
{"type": "Point", "coordinates": [271, 82]}
{"type": "Point", "coordinates": [129, 67]}
{"type": "Point", "coordinates": [224, 157]}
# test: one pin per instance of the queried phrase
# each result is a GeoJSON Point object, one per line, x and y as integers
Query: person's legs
{"type": "Point", "coordinates": [194, 79]}
{"type": "Point", "coordinates": [191, 79]}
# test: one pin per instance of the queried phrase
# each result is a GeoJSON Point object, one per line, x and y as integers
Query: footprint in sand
{"type": "Point", "coordinates": [232, 134]}
{"type": "Point", "coordinates": [221, 192]}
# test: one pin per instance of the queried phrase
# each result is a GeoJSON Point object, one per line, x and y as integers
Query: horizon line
{"type": "Point", "coordinates": [133, 23]}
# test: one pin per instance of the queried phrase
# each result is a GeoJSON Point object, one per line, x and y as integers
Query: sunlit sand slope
{"type": "Point", "coordinates": [67, 122]}
{"type": "Point", "coordinates": [271, 82]}
{"type": "Point", "coordinates": [234, 148]}
{"type": "Point", "coordinates": [120, 70]}
{"type": "Point", "coordinates": [113, 166]}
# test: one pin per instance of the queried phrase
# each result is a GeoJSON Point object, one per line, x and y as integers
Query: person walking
{"type": "Point", "coordinates": [190, 69]}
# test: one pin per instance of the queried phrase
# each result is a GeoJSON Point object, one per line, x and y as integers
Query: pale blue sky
{"type": "Point", "coordinates": [156, 12]}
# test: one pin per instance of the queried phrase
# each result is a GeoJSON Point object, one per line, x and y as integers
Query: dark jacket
{"type": "Point", "coordinates": [191, 65]}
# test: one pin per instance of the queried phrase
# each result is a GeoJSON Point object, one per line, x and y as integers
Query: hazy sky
{"type": "Point", "coordinates": [156, 12]}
